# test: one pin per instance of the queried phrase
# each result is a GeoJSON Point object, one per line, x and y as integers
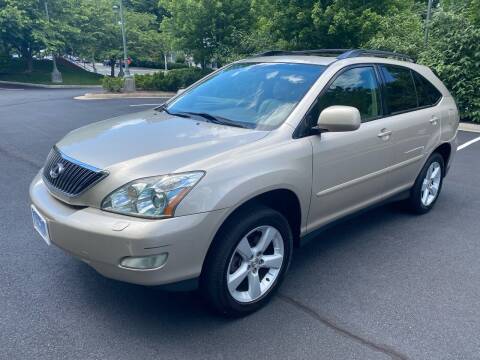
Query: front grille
{"type": "Point", "coordinates": [68, 176]}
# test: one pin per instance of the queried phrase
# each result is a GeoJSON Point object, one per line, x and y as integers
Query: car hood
{"type": "Point", "coordinates": [165, 142]}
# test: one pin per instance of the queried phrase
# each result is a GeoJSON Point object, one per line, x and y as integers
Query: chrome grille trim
{"type": "Point", "coordinates": [76, 178]}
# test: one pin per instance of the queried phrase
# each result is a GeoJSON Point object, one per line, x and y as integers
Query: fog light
{"type": "Point", "coordinates": [144, 262]}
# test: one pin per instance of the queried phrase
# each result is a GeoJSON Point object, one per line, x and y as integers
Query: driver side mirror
{"type": "Point", "coordinates": [339, 118]}
{"type": "Point", "coordinates": [180, 91]}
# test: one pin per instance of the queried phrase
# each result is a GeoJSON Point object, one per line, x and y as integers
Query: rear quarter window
{"type": "Point", "coordinates": [427, 93]}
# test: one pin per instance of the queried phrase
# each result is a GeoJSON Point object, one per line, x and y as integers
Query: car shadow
{"type": "Point", "coordinates": [150, 305]}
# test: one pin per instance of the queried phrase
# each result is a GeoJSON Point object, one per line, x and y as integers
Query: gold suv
{"type": "Point", "coordinates": [215, 187]}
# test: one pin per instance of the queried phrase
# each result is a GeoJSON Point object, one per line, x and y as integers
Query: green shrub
{"type": "Point", "coordinates": [5, 63]}
{"type": "Point", "coordinates": [158, 64]}
{"type": "Point", "coordinates": [454, 54]}
{"type": "Point", "coordinates": [112, 84]}
{"type": "Point", "coordinates": [453, 50]}
{"type": "Point", "coordinates": [172, 80]}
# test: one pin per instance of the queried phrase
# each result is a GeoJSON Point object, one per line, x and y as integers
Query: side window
{"type": "Point", "coordinates": [428, 94]}
{"type": "Point", "coordinates": [399, 88]}
{"type": "Point", "coordinates": [355, 87]}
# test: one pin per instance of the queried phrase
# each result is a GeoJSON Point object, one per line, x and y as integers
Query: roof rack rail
{"type": "Point", "coordinates": [340, 53]}
{"type": "Point", "coordinates": [375, 53]}
{"type": "Point", "coordinates": [303, 52]}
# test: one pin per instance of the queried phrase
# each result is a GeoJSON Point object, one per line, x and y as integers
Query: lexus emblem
{"type": "Point", "coordinates": [56, 170]}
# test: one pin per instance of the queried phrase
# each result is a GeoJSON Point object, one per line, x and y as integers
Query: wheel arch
{"type": "Point", "coordinates": [445, 150]}
{"type": "Point", "coordinates": [283, 200]}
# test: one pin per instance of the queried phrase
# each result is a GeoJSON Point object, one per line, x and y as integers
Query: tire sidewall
{"type": "Point", "coordinates": [417, 189]}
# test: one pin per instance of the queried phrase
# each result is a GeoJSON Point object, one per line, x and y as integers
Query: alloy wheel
{"type": "Point", "coordinates": [431, 184]}
{"type": "Point", "coordinates": [255, 264]}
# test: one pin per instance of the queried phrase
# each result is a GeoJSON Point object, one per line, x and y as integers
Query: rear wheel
{"type": "Point", "coordinates": [247, 261]}
{"type": "Point", "coordinates": [428, 185]}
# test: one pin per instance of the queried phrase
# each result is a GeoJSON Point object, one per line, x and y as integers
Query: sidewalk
{"type": "Point", "coordinates": [133, 95]}
{"type": "Point", "coordinates": [469, 127]}
{"type": "Point", "coordinates": [45, 86]}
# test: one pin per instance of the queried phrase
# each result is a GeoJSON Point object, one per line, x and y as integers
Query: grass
{"type": "Point", "coordinates": [14, 70]}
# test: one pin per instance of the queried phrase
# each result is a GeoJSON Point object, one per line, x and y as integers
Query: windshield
{"type": "Point", "coordinates": [253, 95]}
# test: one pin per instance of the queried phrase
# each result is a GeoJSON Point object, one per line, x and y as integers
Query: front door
{"type": "Point", "coordinates": [349, 167]}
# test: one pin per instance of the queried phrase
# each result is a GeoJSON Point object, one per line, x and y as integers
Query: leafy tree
{"type": "Point", "coordinates": [205, 28]}
{"type": "Point", "coordinates": [351, 23]}
{"type": "Point", "coordinates": [288, 24]}
{"type": "Point", "coordinates": [400, 31]}
{"type": "Point", "coordinates": [23, 27]}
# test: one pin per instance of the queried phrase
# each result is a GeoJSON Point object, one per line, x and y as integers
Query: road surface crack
{"type": "Point", "coordinates": [394, 354]}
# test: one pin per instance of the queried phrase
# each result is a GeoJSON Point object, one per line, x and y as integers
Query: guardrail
{"type": "Point", "coordinates": [84, 65]}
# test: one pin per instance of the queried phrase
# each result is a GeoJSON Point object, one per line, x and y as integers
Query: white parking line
{"type": "Point", "coordinates": [468, 143]}
{"type": "Point", "coordinates": [11, 89]}
{"type": "Point", "coordinates": [146, 105]}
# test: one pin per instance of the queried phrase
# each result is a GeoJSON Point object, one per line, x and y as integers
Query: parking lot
{"type": "Point", "coordinates": [383, 285]}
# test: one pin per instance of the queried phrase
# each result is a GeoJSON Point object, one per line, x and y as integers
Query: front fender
{"type": "Point", "coordinates": [283, 166]}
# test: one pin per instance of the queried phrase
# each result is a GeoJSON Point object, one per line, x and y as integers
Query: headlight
{"type": "Point", "coordinates": [153, 197]}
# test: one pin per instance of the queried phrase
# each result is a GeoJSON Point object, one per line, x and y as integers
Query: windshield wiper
{"type": "Point", "coordinates": [215, 119]}
{"type": "Point", "coordinates": [209, 117]}
{"type": "Point", "coordinates": [163, 108]}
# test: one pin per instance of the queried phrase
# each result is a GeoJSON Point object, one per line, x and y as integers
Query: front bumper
{"type": "Point", "coordinates": [102, 239]}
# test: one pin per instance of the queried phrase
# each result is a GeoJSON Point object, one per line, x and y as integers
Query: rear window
{"type": "Point", "coordinates": [428, 94]}
{"type": "Point", "coordinates": [400, 89]}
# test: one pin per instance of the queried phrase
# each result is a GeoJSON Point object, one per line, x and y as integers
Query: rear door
{"type": "Point", "coordinates": [409, 101]}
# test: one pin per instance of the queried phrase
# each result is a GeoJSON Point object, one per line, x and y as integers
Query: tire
{"type": "Point", "coordinates": [416, 202]}
{"type": "Point", "coordinates": [229, 259]}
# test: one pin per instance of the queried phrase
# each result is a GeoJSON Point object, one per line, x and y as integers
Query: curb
{"type": "Point", "coordinates": [134, 95]}
{"type": "Point", "coordinates": [469, 127]}
{"type": "Point", "coordinates": [45, 86]}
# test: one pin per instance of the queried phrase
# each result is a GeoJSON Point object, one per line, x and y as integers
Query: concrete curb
{"type": "Point", "coordinates": [44, 86]}
{"type": "Point", "coordinates": [469, 127]}
{"type": "Point", "coordinates": [133, 95]}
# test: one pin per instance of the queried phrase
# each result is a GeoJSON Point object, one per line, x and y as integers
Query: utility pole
{"type": "Point", "coordinates": [427, 22]}
{"type": "Point", "coordinates": [129, 85]}
{"type": "Point", "coordinates": [56, 75]}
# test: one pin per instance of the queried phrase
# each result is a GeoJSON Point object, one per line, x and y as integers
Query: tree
{"type": "Point", "coordinates": [288, 24]}
{"type": "Point", "coordinates": [98, 33]}
{"type": "Point", "coordinates": [23, 28]}
{"type": "Point", "coordinates": [351, 23]}
{"type": "Point", "coordinates": [206, 28]}
{"type": "Point", "coordinates": [400, 31]}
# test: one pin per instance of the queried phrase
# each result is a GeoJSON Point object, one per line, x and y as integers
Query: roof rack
{"type": "Point", "coordinates": [341, 53]}
{"type": "Point", "coordinates": [375, 53]}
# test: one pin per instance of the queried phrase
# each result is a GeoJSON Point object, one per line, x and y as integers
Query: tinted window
{"type": "Point", "coordinates": [356, 87]}
{"type": "Point", "coordinates": [254, 95]}
{"type": "Point", "coordinates": [427, 93]}
{"type": "Point", "coordinates": [400, 90]}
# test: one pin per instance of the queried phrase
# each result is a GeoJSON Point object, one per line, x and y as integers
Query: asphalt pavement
{"type": "Point", "coordinates": [383, 285]}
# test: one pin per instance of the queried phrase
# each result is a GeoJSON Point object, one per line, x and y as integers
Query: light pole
{"type": "Point", "coordinates": [56, 75]}
{"type": "Point", "coordinates": [427, 22]}
{"type": "Point", "coordinates": [129, 84]}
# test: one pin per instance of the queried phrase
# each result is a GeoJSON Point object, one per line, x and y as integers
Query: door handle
{"type": "Point", "coordinates": [434, 120]}
{"type": "Point", "coordinates": [384, 134]}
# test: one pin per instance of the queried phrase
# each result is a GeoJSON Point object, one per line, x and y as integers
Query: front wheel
{"type": "Point", "coordinates": [428, 185]}
{"type": "Point", "coordinates": [247, 261]}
